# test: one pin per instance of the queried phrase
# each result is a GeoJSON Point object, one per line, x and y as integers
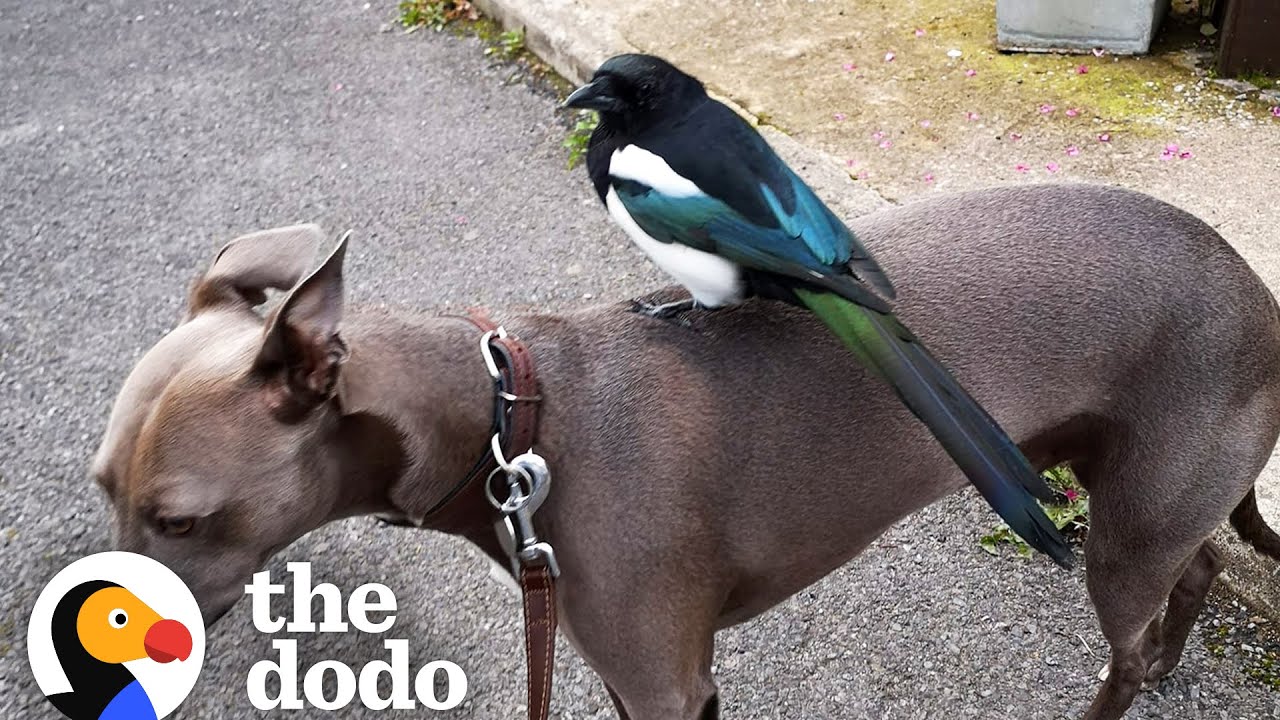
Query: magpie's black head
{"type": "Point", "coordinates": [639, 91]}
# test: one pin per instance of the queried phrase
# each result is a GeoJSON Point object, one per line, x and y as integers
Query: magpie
{"type": "Point", "coordinates": [706, 198]}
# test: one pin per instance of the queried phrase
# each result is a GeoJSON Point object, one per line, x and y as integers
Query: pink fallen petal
{"type": "Point", "coordinates": [886, 144]}
{"type": "Point", "coordinates": [971, 116]}
{"type": "Point", "coordinates": [1185, 155]}
{"type": "Point", "coordinates": [970, 72]}
{"type": "Point", "coordinates": [1171, 148]}
{"type": "Point", "coordinates": [928, 177]}
{"type": "Point", "coordinates": [919, 32]}
{"type": "Point", "coordinates": [1099, 52]}
{"type": "Point", "coordinates": [849, 67]}
{"type": "Point", "coordinates": [1046, 108]}
{"type": "Point", "coordinates": [1275, 111]}
{"type": "Point", "coordinates": [850, 162]}
{"type": "Point", "coordinates": [889, 56]}
{"type": "Point", "coordinates": [877, 135]}
{"type": "Point", "coordinates": [1022, 168]}
{"type": "Point", "coordinates": [863, 175]}
{"type": "Point", "coordinates": [460, 220]}
{"type": "Point", "coordinates": [1052, 167]}
{"type": "Point", "coordinates": [1072, 150]}
{"type": "Point", "coordinates": [337, 87]}
{"type": "Point", "coordinates": [1073, 112]}
{"type": "Point", "coordinates": [1082, 69]}
{"type": "Point", "coordinates": [1015, 136]}
{"type": "Point", "coordinates": [925, 123]}
{"type": "Point", "coordinates": [1104, 137]}
{"type": "Point", "coordinates": [839, 116]}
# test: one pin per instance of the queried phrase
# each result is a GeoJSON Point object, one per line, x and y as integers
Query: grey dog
{"type": "Point", "coordinates": [1100, 327]}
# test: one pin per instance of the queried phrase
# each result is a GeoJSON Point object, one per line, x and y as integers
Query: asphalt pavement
{"type": "Point", "coordinates": [136, 138]}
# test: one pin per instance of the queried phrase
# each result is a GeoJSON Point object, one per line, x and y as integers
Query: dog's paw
{"type": "Point", "coordinates": [1148, 684]}
{"type": "Point", "coordinates": [1155, 674]}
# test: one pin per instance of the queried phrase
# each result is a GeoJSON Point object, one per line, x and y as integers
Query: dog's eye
{"type": "Point", "coordinates": [175, 527]}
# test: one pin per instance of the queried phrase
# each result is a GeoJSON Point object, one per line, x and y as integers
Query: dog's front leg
{"type": "Point", "coordinates": [651, 643]}
{"type": "Point", "coordinates": [710, 709]}
{"type": "Point", "coordinates": [669, 684]}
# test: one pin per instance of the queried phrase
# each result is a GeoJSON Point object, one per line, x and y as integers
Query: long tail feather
{"type": "Point", "coordinates": [984, 452]}
{"type": "Point", "coordinates": [1016, 464]}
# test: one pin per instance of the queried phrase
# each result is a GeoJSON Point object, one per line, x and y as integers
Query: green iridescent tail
{"type": "Point", "coordinates": [977, 444]}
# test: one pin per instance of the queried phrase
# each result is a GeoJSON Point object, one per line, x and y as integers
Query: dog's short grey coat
{"type": "Point", "coordinates": [705, 473]}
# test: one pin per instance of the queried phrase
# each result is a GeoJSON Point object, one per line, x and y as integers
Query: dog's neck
{"type": "Point", "coordinates": [417, 408]}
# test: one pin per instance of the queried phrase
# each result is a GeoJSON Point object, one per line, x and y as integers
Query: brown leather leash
{"type": "Point", "coordinates": [515, 428]}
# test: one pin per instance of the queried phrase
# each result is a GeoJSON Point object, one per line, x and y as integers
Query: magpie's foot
{"type": "Point", "coordinates": [666, 311]}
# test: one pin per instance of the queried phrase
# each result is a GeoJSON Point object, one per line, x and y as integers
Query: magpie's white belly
{"type": "Point", "coordinates": [712, 280]}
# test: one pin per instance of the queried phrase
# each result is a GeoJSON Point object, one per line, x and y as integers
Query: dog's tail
{"type": "Point", "coordinates": [1251, 526]}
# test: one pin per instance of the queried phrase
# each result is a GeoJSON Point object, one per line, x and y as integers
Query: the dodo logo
{"type": "Point", "coordinates": [116, 636]}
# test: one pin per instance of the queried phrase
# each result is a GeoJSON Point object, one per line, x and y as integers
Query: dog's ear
{"type": "Point", "coordinates": [247, 266]}
{"type": "Point", "coordinates": [301, 351]}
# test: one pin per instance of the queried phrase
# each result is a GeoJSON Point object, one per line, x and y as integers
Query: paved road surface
{"type": "Point", "coordinates": [137, 137]}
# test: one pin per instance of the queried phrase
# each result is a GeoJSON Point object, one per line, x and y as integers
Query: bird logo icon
{"type": "Point", "coordinates": [116, 636]}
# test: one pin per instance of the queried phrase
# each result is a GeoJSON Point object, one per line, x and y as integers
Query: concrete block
{"type": "Point", "coordinates": [1118, 26]}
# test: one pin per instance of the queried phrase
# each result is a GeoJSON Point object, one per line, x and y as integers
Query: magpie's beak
{"type": "Point", "coordinates": [592, 96]}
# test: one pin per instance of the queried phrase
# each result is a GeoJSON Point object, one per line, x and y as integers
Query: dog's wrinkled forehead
{"type": "Point", "coordinates": [215, 347]}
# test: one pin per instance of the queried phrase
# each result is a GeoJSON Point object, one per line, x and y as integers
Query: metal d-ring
{"type": "Point", "coordinates": [520, 485]}
{"type": "Point", "coordinates": [486, 351]}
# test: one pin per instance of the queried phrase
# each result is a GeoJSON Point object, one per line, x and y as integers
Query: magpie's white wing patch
{"type": "Point", "coordinates": [631, 162]}
{"type": "Point", "coordinates": [712, 280]}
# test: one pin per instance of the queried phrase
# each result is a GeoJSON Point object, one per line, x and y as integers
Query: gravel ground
{"type": "Point", "coordinates": [135, 139]}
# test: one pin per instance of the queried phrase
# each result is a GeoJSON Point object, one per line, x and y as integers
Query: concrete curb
{"type": "Point", "coordinates": [566, 34]}
{"type": "Point", "coordinates": [575, 38]}
{"type": "Point", "coordinates": [1249, 575]}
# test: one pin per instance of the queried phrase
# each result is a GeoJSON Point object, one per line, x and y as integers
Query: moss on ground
{"type": "Point", "coordinates": [1232, 634]}
{"type": "Point", "coordinates": [1127, 92]}
{"type": "Point", "coordinates": [506, 47]}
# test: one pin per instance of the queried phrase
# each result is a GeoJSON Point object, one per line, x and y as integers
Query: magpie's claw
{"type": "Point", "coordinates": [665, 311]}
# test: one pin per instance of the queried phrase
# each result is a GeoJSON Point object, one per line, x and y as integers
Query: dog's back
{"type": "Point", "coordinates": [1099, 326]}
{"type": "Point", "coordinates": [1064, 309]}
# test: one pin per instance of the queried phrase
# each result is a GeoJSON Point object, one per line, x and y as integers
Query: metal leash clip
{"type": "Point", "coordinates": [528, 482]}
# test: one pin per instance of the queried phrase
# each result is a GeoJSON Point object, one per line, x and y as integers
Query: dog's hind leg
{"type": "Point", "coordinates": [1140, 548]}
{"type": "Point", "coordinates": [1185, 603]}
{"type": "Point", "coordinates": [1127, 589]}
{"type": "Point", "coordinates": [1174, 462]}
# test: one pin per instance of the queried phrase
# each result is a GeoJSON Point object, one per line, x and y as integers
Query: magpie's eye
{"type": "Point", "coordinates": [118, 618]}
{"type": "Point", "coordinates": [175, 526]}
